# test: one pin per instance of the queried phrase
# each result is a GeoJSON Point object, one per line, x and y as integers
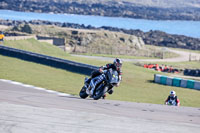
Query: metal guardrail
{"type": "Point", "coordinates": [48, 60]}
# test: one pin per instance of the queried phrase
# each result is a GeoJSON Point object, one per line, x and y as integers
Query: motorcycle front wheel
{"type": "Point", "coordinates": [83, 93]}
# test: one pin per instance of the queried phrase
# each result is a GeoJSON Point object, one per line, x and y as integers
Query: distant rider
{"type": "Point", "coordinates": [97, 76]}
{"type": "Point", "coordinates": [172, 99]}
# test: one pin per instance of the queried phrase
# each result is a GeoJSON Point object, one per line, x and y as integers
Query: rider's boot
{"type": "Point", "coordinates": [104, 96]}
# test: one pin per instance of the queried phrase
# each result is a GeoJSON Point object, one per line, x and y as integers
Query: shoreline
{"type": "Point", "coordinates": [127, 9]}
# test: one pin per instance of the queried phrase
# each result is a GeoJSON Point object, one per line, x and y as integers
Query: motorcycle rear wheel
{"type": "Point", "coordinates": [100, 92]}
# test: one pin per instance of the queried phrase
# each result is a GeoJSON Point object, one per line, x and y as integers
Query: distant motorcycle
{"type": "Point", "coordinates": [111, 78]}
{"type": "Point", "coordinates": [171, 102]}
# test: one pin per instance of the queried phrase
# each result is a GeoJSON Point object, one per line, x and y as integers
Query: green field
{"type": "Point", "coordinates": [137, 85]}
{"type": "Point", "coordinates": [38, 47]}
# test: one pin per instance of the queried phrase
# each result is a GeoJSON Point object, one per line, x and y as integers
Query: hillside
{"type": "Point", "coordinates": [145, 9]}
{"type": "Point", "coordinates": [157, 38]}
{"type": "Point", "coordinates": [93, 41]}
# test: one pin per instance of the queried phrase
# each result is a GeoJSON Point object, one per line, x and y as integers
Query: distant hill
{"type": "Point", "coordinates": [144, 9]}
{"type": "Point", "coordinates": [157, 38]}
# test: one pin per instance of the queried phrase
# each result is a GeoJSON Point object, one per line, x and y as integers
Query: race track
{"type": "Point", "coordinates": [24, 109]}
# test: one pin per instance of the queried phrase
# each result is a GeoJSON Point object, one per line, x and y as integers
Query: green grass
{"type": "Point", "coordinates": [38, 47]}
{"type": "Point", "coordinates": [137, 85]}
{"type": "Point", "coordinates": [39, 75]}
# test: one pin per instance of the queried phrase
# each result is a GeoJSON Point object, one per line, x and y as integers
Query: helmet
{"type": "Point", "coordinates": [172, 93]}
{"type": "Point", "coordinates": [118, 63]}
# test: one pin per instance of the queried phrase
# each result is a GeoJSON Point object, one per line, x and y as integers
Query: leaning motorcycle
{"type": "Point", "coordinates": [111, 79]}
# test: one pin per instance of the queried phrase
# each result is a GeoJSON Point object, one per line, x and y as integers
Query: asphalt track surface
{"type": "Point", "coordinates": [24, 109]}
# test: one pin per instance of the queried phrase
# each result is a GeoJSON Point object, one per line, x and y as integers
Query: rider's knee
{"type": "Point", "coordinates": [110, 91]}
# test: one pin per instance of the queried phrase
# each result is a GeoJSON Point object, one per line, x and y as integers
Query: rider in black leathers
{"type": "Point", "coordinates": [97, 76]}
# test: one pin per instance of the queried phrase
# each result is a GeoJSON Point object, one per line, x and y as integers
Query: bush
{"type": "Point", "coordinates": [26, 28]}
{"type": "Point", "coordinates": [15, 28]}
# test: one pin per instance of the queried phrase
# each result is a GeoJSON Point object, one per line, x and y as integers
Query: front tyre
{"type": "Point", "coordinates": [83, 93]}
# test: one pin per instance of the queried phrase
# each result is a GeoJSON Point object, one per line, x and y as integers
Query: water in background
{"type": "Point", "coordinates": [188, 28]}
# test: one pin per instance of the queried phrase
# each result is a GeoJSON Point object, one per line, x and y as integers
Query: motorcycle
{"type": "Point", "coordinates": [171, 102]}
{"type": "Point", "coordinates": [111, 79]}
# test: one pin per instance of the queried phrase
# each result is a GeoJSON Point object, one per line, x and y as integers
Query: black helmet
{"type": "Point", "coordinates": [118, 63]}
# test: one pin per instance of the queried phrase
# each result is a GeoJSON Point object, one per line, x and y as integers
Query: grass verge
{"type": "Point", "coordinates": [38, 47]}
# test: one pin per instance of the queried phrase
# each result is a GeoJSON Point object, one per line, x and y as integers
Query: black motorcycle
{"type": "Point", "coordinates": [111, 78]}
{"type": "Point", "coordinates": [171, 102]}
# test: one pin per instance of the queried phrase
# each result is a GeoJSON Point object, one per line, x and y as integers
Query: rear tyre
{"type": "Point", "coordinates": [83, 93]}
{"type": "Point", "coordinates": [100, 92]}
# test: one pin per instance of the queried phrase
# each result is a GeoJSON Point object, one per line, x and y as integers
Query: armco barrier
{"type": "Point", "coordinates": [48, 60]}
{"type": "Point", "coordinates": [169, 81]}
{"type": "Point", "coordinates": [190, 84]}
{"type": "Point", "coordinates": [178, 82]}
{"type": "Point", "coordinates": [157, 78]}
{"type": "Point", "coordinates": [163, 80]}
{"type": "Point", "coordinates": [184, 83]}
{"type": "Point", "coordinates": [197, 85]}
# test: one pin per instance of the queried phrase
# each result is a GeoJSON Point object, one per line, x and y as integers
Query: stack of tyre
{"type": "Point", "coordinates": [192, 72]}
{"type": "Point", "coordinates": [176, 82]}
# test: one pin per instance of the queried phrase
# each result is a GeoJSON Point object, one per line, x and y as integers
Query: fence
{"type": "Point", "coordinates": [19, 37]}
{"type": "Point", "coordinates": [177, 82]}
{"type": "Point", "coordinates": [54, 40]}
{"type": "Point", "coordinates": [48, 60]}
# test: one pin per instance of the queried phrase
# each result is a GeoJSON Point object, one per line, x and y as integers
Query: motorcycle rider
{"type": "Point", "coordinates": [97, 76]}
{"type": "Point", "coordinates": [172, 98]}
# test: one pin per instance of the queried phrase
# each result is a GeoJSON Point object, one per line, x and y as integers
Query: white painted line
{"type": "Point", "coordinates": [39, 88]}
{"type": "Point", "coordinates": [30, 86]}
{"type": "Point", "coordinates": [50, 91]}
{"type": "Point", "coordinates": [36, 88]}
{"type": "Point", "coordinates": [63, 94]}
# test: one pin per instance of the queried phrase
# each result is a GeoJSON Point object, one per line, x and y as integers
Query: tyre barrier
{"type": "Point", "coordinates": [48, 60]}
{"type": "Point", "coordinates": [177, 82]}
{"type": "Point", "coordinates": [192, 72]}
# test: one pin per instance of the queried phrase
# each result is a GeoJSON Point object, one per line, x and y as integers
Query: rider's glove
{"type": "Point", "coordinates": [101, 70]}
{"type": "Point", "coordinates": [120, 78]}
{"type": "Point", "coordinates": [117, 84]}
